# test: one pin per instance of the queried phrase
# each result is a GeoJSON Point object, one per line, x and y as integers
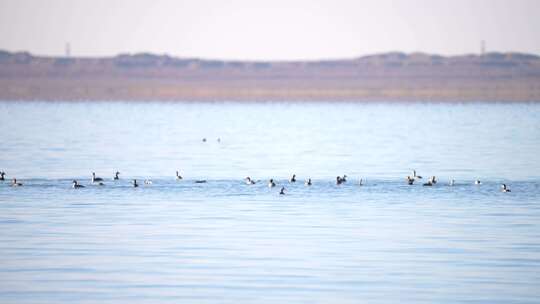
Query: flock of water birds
{"type": "Point", "coordinates": [410, 179]}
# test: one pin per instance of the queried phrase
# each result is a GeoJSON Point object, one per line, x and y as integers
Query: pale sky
{"type": "Point", "coordinates": [268, 30]}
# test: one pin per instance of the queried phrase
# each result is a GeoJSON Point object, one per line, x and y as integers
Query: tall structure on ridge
{"type": "Point", "coordinates": [68, 50]}
{"type": "Point", "coordinates": [482, 48]}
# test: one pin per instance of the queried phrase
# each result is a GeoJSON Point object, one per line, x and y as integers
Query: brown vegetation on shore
{"type": "Point", "coordinates": [388, 77]}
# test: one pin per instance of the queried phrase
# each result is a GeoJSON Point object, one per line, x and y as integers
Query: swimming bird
{"type": "Point", "coordinates": [344, 178]}
{"type": "Point", "coordinates": [308, 182]}
{"type": "Point", "coordinates": [76, 185]}
{"type": "Point", "coordinates": [452, 182]}
{"type": "Point", "coordinates": [360, 183]}
{"type": "Point", "coordinates": [282, 191]}
{"type": "Point", "coordinates": [433, 179]}
{"type": "Point", "coordinates": [96, 179]}
{"type": "Point", "coordinates": [249, 181]}
{"type": "Point", "coordinates": [135, 185]}
{"type": "Point", "coordinates": [147, 182]}
{"type": "Point", "coordinates": [178, 177]}
{"type": "Point", "coordinates": [429, 183]}
{"type": "Point", "coordinates": [504, 188]}
{"type": "Point", "coordinates": [339, 180]}
{"type": "Point", "coordinates": [271, 183]}
{"type": "Point", "coordinates": [116, 176]}
{"type": "Point", "coordinates": [477, 182]}
{"type": "Point", "coordinates": [200, 181]}
{"type": "Point", "coordinates": [410, 180]}
{"type": "Point", "coordinates": [14, 183]}
{"type": "Point", "coordinates": [415, 176]}
{"type": "Point", "coordinates": [2, 175]}
{"type": "Point", "coordinates": [293, 179]}
{"type": "Point", "coordinates": [204, 139]}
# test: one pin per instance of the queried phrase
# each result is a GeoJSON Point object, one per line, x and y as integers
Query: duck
{"type": "Point", "coordinates": [135, 185]}
{"type": "Point", "coordinates": [410, 180]}
{"type": "Point", "coordinates": [76, 185]}
{"type": "Point", "coordinates": [178, 177]}
{"type": "Point", "coordinates": [433, 179]}
{"type": "Point", "coordinates": [429, 183]}
{"type": "Point", "coordinates": [282, 191]}
{"type": "Point", "coordinates": [344, 178]}
{"type": "Point", "coordinates": [415, 176]}
{"type": "Point", "coordinates": [96, 179]}
{"type": "Point", "coordinates": [2, 176]}
{"type": "Point", "coordinates": [339, 180]}
{"type": "Point", "coordinates": [504, 188]}
{"type": "Point", "coordinates": [477, 182]}
{"type": "Point", "coordinates": [308, 182]}
{"type": "Point", "coordinates": [271, 183]}
{"type": "Point", "coordinates": [14, 183]}
{"type": "Point", "coordinates": [452, 182]}
{"type": "Point", "coordinates": [361, 182]}
{"type": "Point", "coordinates": [293, 179]}
{"type": "Point", "coordinates": [249, 181]}
{"type": "Point", "coordinates": [204, 139]}
{"type": "Point", "coordinates": [200, 181]}
{"type": "Point", "coordinates": [116, 176]}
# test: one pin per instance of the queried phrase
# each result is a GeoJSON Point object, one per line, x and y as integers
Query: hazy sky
{"type": "Point", "coordinates": [277, 29]}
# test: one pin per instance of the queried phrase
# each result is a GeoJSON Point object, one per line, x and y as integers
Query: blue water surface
{"type": "Point", "coordinates": [227, 242]}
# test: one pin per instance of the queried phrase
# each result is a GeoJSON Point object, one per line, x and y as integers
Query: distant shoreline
{"type": "Point", "coordinates": [391, 77]}
{"type": "Point", "coordinates": [365, 102]}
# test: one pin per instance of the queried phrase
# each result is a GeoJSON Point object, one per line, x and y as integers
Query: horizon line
{"type": "Point", "coordinates": [396, 52]}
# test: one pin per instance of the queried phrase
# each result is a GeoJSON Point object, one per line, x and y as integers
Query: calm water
{"type": "Point", "coordinates": [227, 242]}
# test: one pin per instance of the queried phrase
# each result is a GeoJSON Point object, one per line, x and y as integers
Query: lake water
{"type": "Point", "coordinates": [227, 242]}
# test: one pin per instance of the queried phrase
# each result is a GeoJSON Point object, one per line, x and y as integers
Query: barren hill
{"type": "Point", "coordinates": [390, 76]}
